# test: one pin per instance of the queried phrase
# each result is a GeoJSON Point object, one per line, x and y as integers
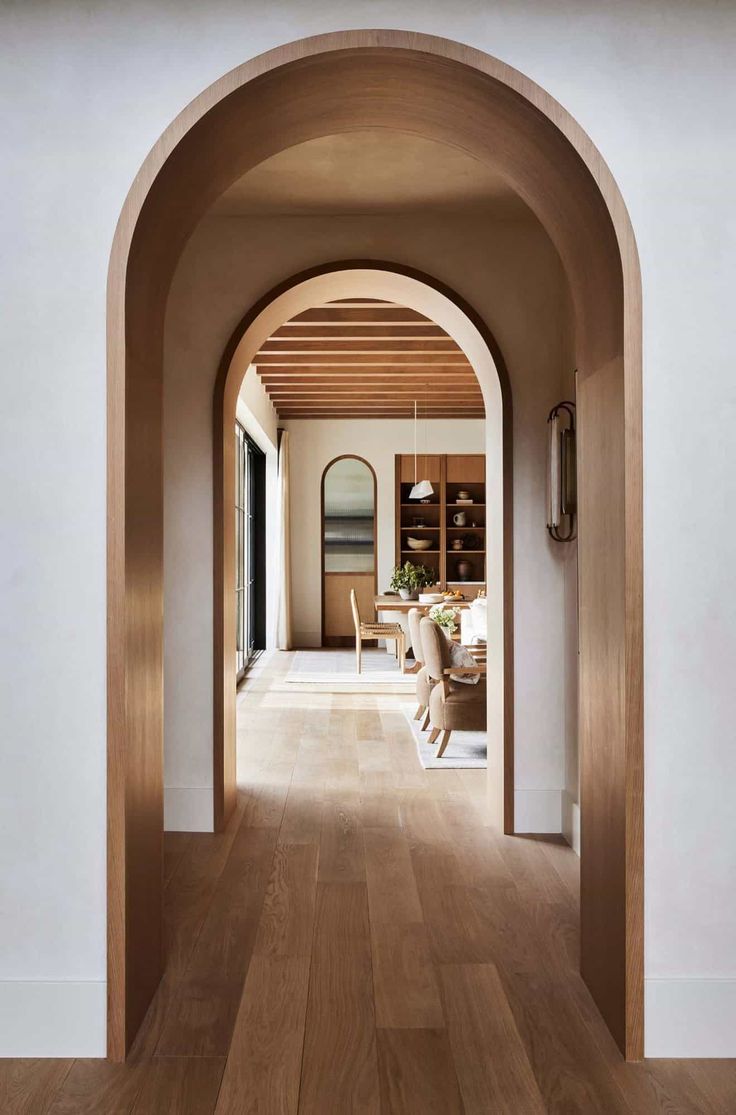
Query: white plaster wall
{"type": "Point", "coordinates": [256, 412]}
{"type": "Point", "coordinates": [188, 628]}
{"type": "Point", "coordinates": [92, 86]}
{"type": "Point", "coordinates": [314, 443]}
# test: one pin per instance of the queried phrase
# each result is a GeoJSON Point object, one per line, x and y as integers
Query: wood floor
{"type": "Point", "coordinates": [359, 941]}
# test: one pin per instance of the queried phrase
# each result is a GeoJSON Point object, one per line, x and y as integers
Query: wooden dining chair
{"type": "Point", "coordinates": [453, 706]}
{"type": "Point", "coordinates": [424, 682]}
{"type": "Point", "coordinates": [376, 631]}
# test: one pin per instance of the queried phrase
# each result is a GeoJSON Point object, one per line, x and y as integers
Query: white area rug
{"type": "Point", "coordinates": [465, 749]}
{"type": "Point", "coordinates": [334, 671]}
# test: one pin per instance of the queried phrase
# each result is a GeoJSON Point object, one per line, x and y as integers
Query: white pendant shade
{"type": "Point", "coordinates": [421, 490]}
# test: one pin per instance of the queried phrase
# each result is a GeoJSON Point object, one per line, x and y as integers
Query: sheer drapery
{"type": "Point", "coordinates": [283, 621]}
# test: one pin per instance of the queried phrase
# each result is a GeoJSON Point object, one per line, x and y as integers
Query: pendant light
{"type": "Point", "coordinates": [422, 489]}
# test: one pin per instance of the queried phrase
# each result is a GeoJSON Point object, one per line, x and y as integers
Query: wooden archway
{"type": "Point", "coordinates": [469, 330]}
{"type": "Point", "coordinates": [467, 99]}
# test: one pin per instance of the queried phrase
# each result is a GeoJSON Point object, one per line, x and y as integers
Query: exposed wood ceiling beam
{"type": "Point", "coordinates": [434, 347]}
{"type": "Point", "coordinates": [368, 359]}
{"type": "Point", "coordinates": [377, 331]}
{"type": "Point", "coordinates": [375, 414]}
{"type": "Point", "coordinates": [361, 359]}
{"type": "Point", "coordinates": [374, 377]}
{"type": "Point", "coordinates": [398, 315]}
{"type": "Point", "coordinates": [345, 392]}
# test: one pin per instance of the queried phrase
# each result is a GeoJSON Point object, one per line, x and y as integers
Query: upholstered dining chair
{"type": "Point", "coordinates": [376, 631]}
{"type": "Point", "coordinates": [424, 682]}
{"type": "Point", "coordinates": [453, 705]}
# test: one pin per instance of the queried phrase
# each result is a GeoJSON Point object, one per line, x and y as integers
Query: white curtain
{"type": "Point", "coordinates": [283, 612]}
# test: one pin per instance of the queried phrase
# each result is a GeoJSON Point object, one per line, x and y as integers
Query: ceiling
{"type": "Point", "coordinates": [366, 359]}
{"type": "Point", "coordinates": [370, 171]}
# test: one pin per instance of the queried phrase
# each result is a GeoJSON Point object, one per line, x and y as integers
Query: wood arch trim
{"type": "Point", "coordinates": [462, 97]}
{"type": "Point", "coordinates": [325, 470]}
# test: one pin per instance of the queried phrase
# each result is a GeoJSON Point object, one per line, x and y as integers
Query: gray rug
{"type": "Point", "coordinates": [465, 749]}
{"type": "Point", "coordinates": [334, 669]}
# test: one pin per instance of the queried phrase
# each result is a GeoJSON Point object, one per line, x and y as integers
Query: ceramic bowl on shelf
{"type": "Point", "coordinates": [431, 598]}
{"type": "Point", "coordinates": [419, 543]}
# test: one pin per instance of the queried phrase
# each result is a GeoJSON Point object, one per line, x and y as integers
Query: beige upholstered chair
{"type": "Point", "coordinates": [453, 706]}
{"type": "Point", "coordinates": [376, 631]}
{"type": "Point", "coordinates": [424, 682]}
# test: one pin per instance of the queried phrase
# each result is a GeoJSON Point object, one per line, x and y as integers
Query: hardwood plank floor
{"type": "Point", "coordinates": [417, 1073]}
{"type": "Point", "coordinates": [264, 1068]}
{"type": "Point", "coordinates": [358, 940]}
{"type": "Point", "coordinates": [479, 1021]}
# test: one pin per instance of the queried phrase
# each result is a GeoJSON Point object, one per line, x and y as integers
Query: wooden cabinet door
{"type": "Point", "coordinates": [466, 468]}
{"type": "Point", "coordinates": [428, 467]}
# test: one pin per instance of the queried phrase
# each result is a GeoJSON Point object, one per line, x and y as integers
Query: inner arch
{"type": "Point", "coordinates": [419, 295]}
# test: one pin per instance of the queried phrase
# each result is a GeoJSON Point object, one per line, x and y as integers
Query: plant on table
{"type": "Point", "coordinates": [408, 579]}
{"type": "Point", "coordinates": [444, 618]}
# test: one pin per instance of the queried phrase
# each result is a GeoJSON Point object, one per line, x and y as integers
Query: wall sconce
{"type": "Point", "coordinates": [562, 488]}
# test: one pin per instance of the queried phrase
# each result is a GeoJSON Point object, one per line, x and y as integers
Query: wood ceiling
{"type": "Point", "coordinates": [367, 359]}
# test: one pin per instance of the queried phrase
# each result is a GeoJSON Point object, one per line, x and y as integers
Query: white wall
{"type": "Point", "coordinates": [314, 443]}
{"type": "Point", "coordinates": [188, 630]}
{"type": "Point", "coordinates": [92, 86]}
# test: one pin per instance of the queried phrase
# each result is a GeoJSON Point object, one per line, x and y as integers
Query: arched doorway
{"type": "Point", "coordinates": [383, 280]}
{"type": "Point", "coordinates": [467, 99]}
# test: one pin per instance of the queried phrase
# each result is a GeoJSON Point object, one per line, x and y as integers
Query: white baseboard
{"type": "Point", "coordinates": [690, 1017]}
{"type": "Point", "coordinates": [188, 809]}
{"type": "Point", "coordinates": [571, 821]}
{"type": "Point", "coordinates": [48, 1018]}
{"type": "Point", "coordinates": [537, 811]}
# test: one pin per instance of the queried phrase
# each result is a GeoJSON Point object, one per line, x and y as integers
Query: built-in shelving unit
{"type": "Point", "coordinates": [450, 474]}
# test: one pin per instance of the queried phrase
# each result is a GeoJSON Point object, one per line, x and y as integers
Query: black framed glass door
{"type": "Point", "coordinates": [250, 566]}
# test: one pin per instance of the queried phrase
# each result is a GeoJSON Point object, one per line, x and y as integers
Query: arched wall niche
{"type": "Point", "coordinates": [467, 99]}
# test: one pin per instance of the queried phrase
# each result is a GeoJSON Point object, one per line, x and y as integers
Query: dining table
{"type": "Point", "coordinates": [390, 608]}
{"type": "Point", "coordinates": [390, 602]}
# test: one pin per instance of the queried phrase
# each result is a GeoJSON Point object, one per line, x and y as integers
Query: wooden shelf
{"type": "Point", "coordinates": [449, 474]}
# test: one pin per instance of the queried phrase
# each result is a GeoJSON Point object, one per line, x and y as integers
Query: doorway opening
{"type": "Point", "coordinates": [414, 293]}
{"type": "Point", "coordinates": [250, 550]}
{"type": "Point", "coordinates": [471, 102]}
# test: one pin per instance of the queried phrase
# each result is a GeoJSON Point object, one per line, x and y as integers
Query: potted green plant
{"type": "Point", "coordinates": [444, 618]}
{"type": "Point", "coordinates": [408, 579]}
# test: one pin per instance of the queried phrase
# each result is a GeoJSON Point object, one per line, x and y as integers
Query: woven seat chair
{"type": "Point", "coordinates": [376, 631]}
